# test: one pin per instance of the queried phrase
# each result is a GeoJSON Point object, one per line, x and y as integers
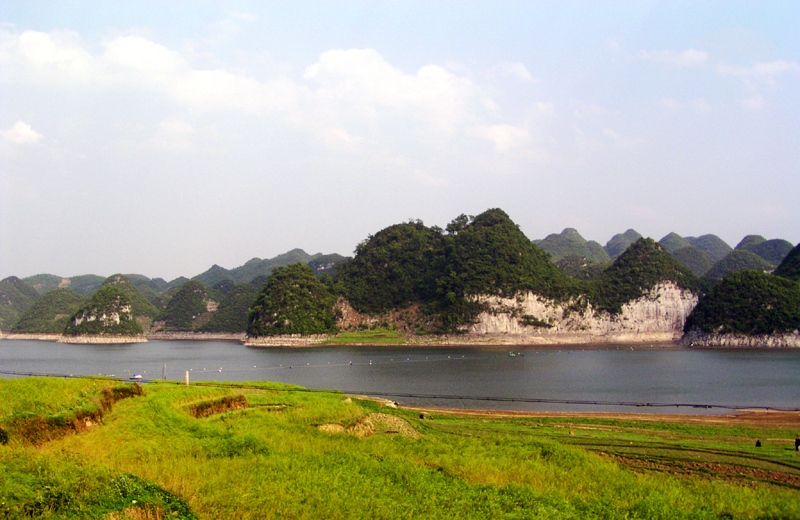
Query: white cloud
{"type": "Point", "coordinates": [43, 56]}
{"type": "Point", "coordinates": [515, 70]}
{"type": "Point", "coordinates": [504, 137]}
{"type": "Point", "coordinates": [762, 72]}
{"type": "Point", "coordinates": [175, 135]}
{"type": "Point", "coordinates": [759, 78]}
{"type": "Point", "coordinates": [21, 133]}
{"type": "Point", "coordinates": [687, 58]}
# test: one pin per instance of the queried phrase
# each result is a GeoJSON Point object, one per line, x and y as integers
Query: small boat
{"type": "Point", "coordinates": [136, 377]}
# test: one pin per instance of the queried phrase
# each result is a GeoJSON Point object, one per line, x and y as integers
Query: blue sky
{"type": "Point", "coordinates": [162, 137]}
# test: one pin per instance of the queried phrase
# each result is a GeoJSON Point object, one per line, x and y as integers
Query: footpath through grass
{"type": "Point", "coordinates": [259, 450]}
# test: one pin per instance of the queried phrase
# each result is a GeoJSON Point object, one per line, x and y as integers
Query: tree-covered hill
{"type": "Point", "coordinates": [748, 302]}
{"type": "Point", "coordinates": [109, 311]}
{"type": "Point", "coordinates": [85, 284]}
{"type": "Point", "coordinates": [570, 243]}
{"type": "Point", "coordinates": [294, 301]}
{"type": "Point", "coordinates": [635, 272]}
{"type": "Point", "coordinates": [790, 267]}
{"type": "Point", "coordinates": [738, 260]}
{"type": "Point", "coordinates": [325, 264]}
{"type": "Point", "coordinates": [489, 255]}
{"type": "Point", "coordinates": [141, 308]}
{"type": "Point", "coordinates": [620, 242]}
{"type": "Point", "coordinates": [16, 297]}
{"type": "Point", "coordinates": [51, 312]}
{"type": "Point", "coordinates": [231, 314]}
{"type": "Point", "coordinates": [773, 251]}
{"type": "Point", "coordinates": [45, 282]}
{"type": "Point", "coordinates": [263, 267]}
{"type": "Point", "coordinates": [711, 244]}
{"type": "Point", "coordinates": [750, 241]}
{"type": "Point", "coordinates": [580, 268]}
{"type": "Point", "coordinates": [189, 308]}
{"type": "Point", "coordinates": [673, 241]}
{"type": "Point", "coordinates": [694, 259]}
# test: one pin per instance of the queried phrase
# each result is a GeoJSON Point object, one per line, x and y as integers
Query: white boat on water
{"type": "Point", "coordinates": [136, 377]}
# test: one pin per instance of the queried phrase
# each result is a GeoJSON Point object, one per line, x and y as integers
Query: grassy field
{"type": "Point", "coordinates": [96, 449]}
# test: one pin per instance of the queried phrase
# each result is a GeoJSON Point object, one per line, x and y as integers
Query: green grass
{"type": "Point", "coordinates": [380, 335]}
{"type": "Point", "coordinates": [272, 460]}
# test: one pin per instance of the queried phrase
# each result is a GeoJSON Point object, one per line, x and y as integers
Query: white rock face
{"type": "Point", "coordinates": [656, 316]}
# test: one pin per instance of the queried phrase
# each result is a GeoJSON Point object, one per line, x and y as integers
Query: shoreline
{"type": "Point", "coordinates": [568, 340]}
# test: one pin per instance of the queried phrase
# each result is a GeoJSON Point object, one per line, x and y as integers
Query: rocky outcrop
{"type": "Point", "coordinates": [196, 336]}
{"type": "Point", "coordinates": [530, 319]}
{"type": "Point", "coordinates": [287, 340]}
{"type": "Point", "coordinates": [696, 338]}
{"type": "Point", "coordinates": [102, 339]}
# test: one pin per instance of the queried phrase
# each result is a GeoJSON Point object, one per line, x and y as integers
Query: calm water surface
{"type": "Point", "coordinates": [609, 374]}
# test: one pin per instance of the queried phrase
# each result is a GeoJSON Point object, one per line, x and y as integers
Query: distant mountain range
{"type": "Point", "coordinates": [706, 256]}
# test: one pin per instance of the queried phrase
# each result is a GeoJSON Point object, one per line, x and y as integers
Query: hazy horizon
{"type": "Point", "coordinates": [160, 139]}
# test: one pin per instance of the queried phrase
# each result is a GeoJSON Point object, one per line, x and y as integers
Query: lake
{"type": "Point", "coordinates": [609, 378]}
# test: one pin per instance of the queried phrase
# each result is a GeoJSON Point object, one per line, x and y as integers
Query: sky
{"type": "Point", "coordinates": [160, 137]}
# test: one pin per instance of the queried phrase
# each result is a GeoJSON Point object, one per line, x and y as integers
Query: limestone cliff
{"type": "Point", "coordinates": [659, 315]}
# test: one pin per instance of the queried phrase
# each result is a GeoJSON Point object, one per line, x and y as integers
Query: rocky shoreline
{"type": "Point", "coordinates": [197, 336]}
{"type": "Point", "coordinates": [705, 339]}
{"type": "Point", "coordinates": [101, 339]}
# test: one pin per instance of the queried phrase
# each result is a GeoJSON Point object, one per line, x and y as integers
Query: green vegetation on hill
{"type": "Point", "coordinates": [50, 313]}
{"type": "Point", "coordinates": [443, 270]}
{"type": "Point", "coordinates": [257, 267]}
{"type": "Point", "coordinates": [620, 242]}
{"type": "Point", "coordinates": [673, 241]}
{"type": "Point", "coordinates": [580, 268]}
{"type": "Point", "coordinates": [397, 266]}
{"type": "Point", "coordinates": [738, 260]}
{"type": "Point", "coordinates": [326, 264]}
{"type": "Point", "coordinates": [750, 241]}
{"type": "Point", "coordinates": [86, 284]}
{"type": "Point", "coordinates": [694, 259]}
{"type": "Point", "coordinates": [773, 251]}
{"type": "Point", "coordinates": [188, 308]}
{"type": "Point", "coordinates": [635, 272]}
{"type": "Point", "coordinates": [570, 243]}
{"type": "Point", "coordinates": [108, 312]}
{"type": "Point", "coordinates": [231, 314]}
{"type": "Point", "coordinates": [140, 305]}
{"type": "Point", "coordinates": [16, 297]}
{"type": "Point", "coordinates": [278, 451]}
{"type": "Point", "coordinates": [492, 256]}
{"type": "Point", "coordinates": [748, 302]}
{"type": "Point", "coordinates": [711, 244]}
{"type": "Point", "coordinates": [294, 301]}
{"type": "Point", "coordinates": [790, 267]}
{"type": "Point", "coordinates": [44, 282]}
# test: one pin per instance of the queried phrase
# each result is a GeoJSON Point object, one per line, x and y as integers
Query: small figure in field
{"type": "Point", "coordinates": [797, 444]}
{"type": "Point", "coordinates": [422, 416]}
{"type": "Point", "coordinates": [758, 443]}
